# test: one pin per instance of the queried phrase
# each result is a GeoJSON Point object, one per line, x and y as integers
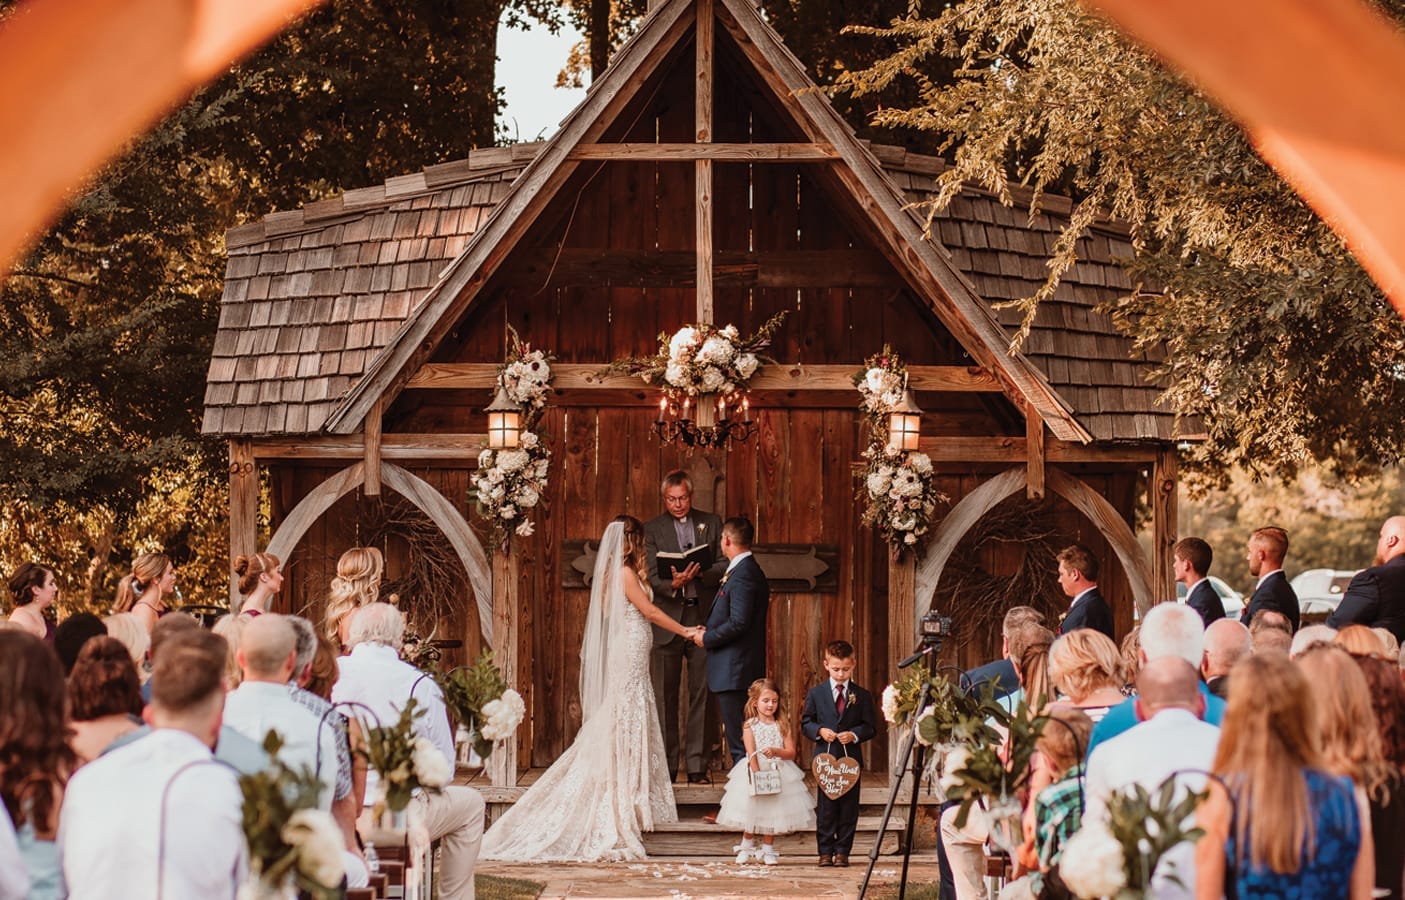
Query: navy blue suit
{"type": "Point", "coordinates": [837, 820]}
{"type": "Point", "coordinates": [1275, 593]}
{"type": "Point", "coordinates": [735, 641]}
{"type": "Point", "coordinates": [1091, 611]}
{"type": "Point", "coordinates": [1204, 599]}
{"type": "Point", "coordinates": [1376, 598]}
{"type": "Point", "coordinates": [1000, 673]}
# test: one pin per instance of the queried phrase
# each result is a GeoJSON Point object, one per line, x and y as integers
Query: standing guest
{"type": "Point", "coordinates": [735, 637]}
{"type": "Point", "coordinates": [134, 635]}
{"type": "Point", "coordinates": [1387, 693]}
{"type": "Point", "coordinates": [260, 579]}
{"type": "Point", "coordinates": [33, 590]}
{"type": "Point", "coordinates": [1376, 596]}
{"type": "Point", "coordinates": [104, 697]}
{"type": "Point", "coordinates": [357, 583]}
{"type": "Point", "coordinates": [159, 817]}
{"type": "Point", "coordinates": [35, 760]}
{"type": "Point", "coordinates": [1191, 559]}
{"type": "Point", "coordinates": [72, 633]}
{"type": "Point", "coordinates": [1000, 674]}
{"type": "Point", "coordinates": [1078, 576]}
{"type": "Point", "coordinates": [1304, 838]}
{"type": "Point", "coordinates": [1268, 547]}
{"type": "Point", "coordinates": [687, 598]}
{"type": "Point", "coordinates": [143, 593]}
{"type": "Point", "coordinates": [1226, 643]}
{"type": "Point", "coordinates": [374, 675]}
{"type": "Point", "coordinates": [837, 711]}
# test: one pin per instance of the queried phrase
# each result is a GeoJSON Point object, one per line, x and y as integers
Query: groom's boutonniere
{"type": "Point", "coordinates": [724, 579]}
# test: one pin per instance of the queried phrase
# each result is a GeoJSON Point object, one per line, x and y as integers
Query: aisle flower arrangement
{"type": "Point", "coordinates": [487, 709]}
{"type": "Point", "coordinates": [701, 359]}
{"type": "Point", "coordinates": [293, 845]}
{"type": "Point", "coordinates": [1116, 858]}
{"type": "Point", "coordinates": [509, 483]}
{"type": "Point", "coordinates": [403, 761]}
{"type": "Point", "coordinates": [900, 496]}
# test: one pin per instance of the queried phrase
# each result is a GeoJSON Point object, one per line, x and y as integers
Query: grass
{"type": "Point", "coordinates": [492, 887]}
{"type": "Point", "coordinates": [928, 890]}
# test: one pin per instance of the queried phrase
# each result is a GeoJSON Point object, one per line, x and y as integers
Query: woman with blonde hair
{"type": "Point", "coordinates": [143, 593]}
{"type": "Point", "coordinates": [1277, 823]}
{"type": "Point", "coordinates": [231, 628]}
{"type": "Point", "coordinates": [1358, 640]}
{"type": "Point", "coordinates": [357, 583]}
{"type": "Point", "coordinates": [1086, 666]}
{"type": "Point", "coordinates": [134, 635]}
{"type": "Point", "coordinates": [260, 579]}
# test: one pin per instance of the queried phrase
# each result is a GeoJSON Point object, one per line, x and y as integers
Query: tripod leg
{"type": "Point", "coordinates": [917, 761]}
{"type": "Point", "coordinates": [898, 773]}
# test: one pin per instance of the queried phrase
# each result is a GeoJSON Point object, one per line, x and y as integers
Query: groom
{"type": "Point", "coordinates": [735, 636]}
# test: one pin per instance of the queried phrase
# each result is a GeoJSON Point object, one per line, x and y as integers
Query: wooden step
{"type": "Point", "coordinates": [704, 795]}
{"type": "Point", "coordinates": [696, 838]}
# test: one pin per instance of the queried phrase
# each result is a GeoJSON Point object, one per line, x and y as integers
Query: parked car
{"type": "Point", "coordinates": [1320, 590]}
{"type": "Point", "coordinates": [1233, 600]}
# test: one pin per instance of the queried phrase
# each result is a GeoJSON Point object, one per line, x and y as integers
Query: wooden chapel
{"type": "Point", "coordinates": [700, 180]}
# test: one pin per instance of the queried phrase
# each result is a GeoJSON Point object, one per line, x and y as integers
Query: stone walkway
{"type": "Point", "coordinates": [693, 879]}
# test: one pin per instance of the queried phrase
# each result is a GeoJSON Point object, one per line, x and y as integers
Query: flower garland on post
{"type": "Point", "coordinates": [510, 482]}
{"type": "Point", "coordinates": [701, 359]}
{"type": "Point", "coordinates": [897, 484]}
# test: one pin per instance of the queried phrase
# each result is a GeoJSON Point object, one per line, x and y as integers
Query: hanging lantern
{"type": "Point", "coordinates": [504, 422]}
{"type": "Point", "coordinates": [905, 423]}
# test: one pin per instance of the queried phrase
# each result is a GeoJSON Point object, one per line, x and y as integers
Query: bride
{"type": "Point", "coordinates": [612, 783]}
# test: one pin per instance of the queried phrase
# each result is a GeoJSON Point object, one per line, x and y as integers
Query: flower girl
{"type": "Point", "coordinates": [770, 747]}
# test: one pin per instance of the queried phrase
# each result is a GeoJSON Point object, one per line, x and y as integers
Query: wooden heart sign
{"type": "Point", "coordinates": [836, 775]}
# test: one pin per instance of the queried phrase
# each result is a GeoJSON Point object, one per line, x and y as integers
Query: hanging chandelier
{"type": "Point", "coordinates": [701, 422]}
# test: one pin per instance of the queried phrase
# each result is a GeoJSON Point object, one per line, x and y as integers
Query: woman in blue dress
{"type": "Point", "coordinates": [1277, 824]}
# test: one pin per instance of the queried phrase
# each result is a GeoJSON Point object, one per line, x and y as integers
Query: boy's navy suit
{"type": "Point", "coordinates": [836, 820]}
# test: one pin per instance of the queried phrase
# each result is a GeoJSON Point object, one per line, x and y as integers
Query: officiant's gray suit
{"type": "Point", "coordinates": [688, 606]}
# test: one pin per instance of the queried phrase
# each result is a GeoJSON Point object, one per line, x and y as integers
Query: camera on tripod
{"type": "Point", "coordinates": [935, 627]}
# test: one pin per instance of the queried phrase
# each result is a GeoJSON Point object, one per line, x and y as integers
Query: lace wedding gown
{"type": "Point", "coordinates": [612, 784]}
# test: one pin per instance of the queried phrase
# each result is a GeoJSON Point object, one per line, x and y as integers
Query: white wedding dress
{"type": "Point", "coordinates": [612, 784]}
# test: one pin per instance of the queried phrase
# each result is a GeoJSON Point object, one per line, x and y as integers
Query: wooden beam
{"type": "Point", "coordinates": [372, 449]}
{"type": "Point", "coordinates": [502, 765]}
{"type": "Point", "coordinates": [703, 68]}
{"type": "Point", "coordinates": [704, 241]}
{"type": "Point", "coordinates": [1164, 510]}
{"type": "Point", "coordinates": [1034, 454]}
{"type": "Point", "coordinates": [702, 133]}
{"type": "Point", "coordinates": [838, 268]}
{"type": "Point", "coordinates": [636, 151]}
{"type": "Point", "coordinates": [582, 376]}
{"type": "Point", "coordinates": [1016, 450]}
{"type": "Point", "coordinates": [243, 505]}
{"type": "Point", "coordinates": [902, 620]}
{"type": "Point", "coordinates": [464, 447]}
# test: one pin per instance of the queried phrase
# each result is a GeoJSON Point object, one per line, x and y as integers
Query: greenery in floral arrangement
{"type": "Point", "coordinates": [403, 761]}
{"type": "Point", "coordinates": [949, 714]}
{"type": "Point", "coordinates": [289, 838]}
{"type": "Point", "coordinates": [512, 481]}
{"type": "Point", "coordinates": [702, 359]}
{"type": "Point", "coordinates": [984, 767]}
{"type": "Point", "coordinates": [479, 694]}
{"type": "Point", "coordinates": [1117, 857]}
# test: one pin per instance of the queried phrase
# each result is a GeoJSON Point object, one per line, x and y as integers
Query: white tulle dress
{"type": "Point", "coordinates": [612, 784]}
{"type": "Point", "coordinates": [793, 809]}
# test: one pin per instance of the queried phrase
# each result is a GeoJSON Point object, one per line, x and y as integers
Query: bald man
{"type": "Point", "coordinates": [1376, 596]}
{"type": "Point", "coordinates": [1226, 643]}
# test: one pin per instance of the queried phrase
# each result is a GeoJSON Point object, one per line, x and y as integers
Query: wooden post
{"type": "Point", "coordinates": [1164, 495]}
{"type": "Point", "coordinates": [902, 627]}
{"type": "Point", "coordinates": [373, 448]}
{"type": "Point", "coordinates": [1034, 445]}
{"type": "Point", "coordinates": [502, 765]}
{"type": "Point", "coordinates": [243, 505]}
{"type": "Point", "coordinates": [703, 135]}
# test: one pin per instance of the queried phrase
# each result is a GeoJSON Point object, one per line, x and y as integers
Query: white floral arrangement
{"type": "Point", "coordinates": [502, 716]}
{"type": "Point", "coordinates": [1118, 856]}
{"type": "Point", "coordinates": [510, 483]}
{"type": "Point", "coordinates": [291, 843]}
{"type": "Point", "coordinates": [527, 379]}
{"type": "Point", "coordinates": [487, 709]}
{"type": "Point", "coordinates": [1091, 863]}
{"type": "Point", "coordinates": [703, 359]}
{"type": "Point", "coordinates": [898, 489]}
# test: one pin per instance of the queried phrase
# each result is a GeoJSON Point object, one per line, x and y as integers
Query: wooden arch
{"type": "Point", "coordinates": [422, 495]}
{"type": "Point", "coordinates": [983, 499]}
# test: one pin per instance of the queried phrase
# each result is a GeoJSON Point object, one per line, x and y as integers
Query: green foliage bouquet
{"type": "Point", "coordinates": [403, 761]}
{"type": "Point", "coordinates": [984, 770]}
{"type": "Point", "coordinates": [289, 838]}
{"type": "Point", "coordinates": [487, 709]}
{"type": "Point", "coordinates": [1116, 858]}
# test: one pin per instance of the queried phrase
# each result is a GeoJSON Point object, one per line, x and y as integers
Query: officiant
{"type": "Point", "coordinates": [684, 588]}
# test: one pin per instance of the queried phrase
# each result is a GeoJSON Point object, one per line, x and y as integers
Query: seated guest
{"type": "Point", "coordinates": [1001, 673]}
{"type": "Point", "coordinates": [1376, 596]}
{"type": "Point", "coordinates": [1358, 640]}
{"type": "Point", "coordinates": [374, 675]}
{"type": "Point", "coordinates": [1131, 650]}
{"type": "Point", "coordinates": [1308, 636]}
{"type": "Point", "coordinates": [1058, 808]}
{"type": "Point", "coordinates": [35, 760]}
{"type": "Point", "coordinates": [1270, 618]}
{"type": "Point", "coordinates": [72, 633]}
{"type": "Point", "coordinates": [1170, 738]}
{"type": "Point", "coordinates": [1387, 693]}
{"type": "Point", "coordinates": [104, 697]}
{"type": "Point", "coordinates": [231, 628]}
{"type": "Point", "coordinates": [159, 817]}
{"type": "Point", "coordinates": [1390, 642]}
{"type": "Point", "coordinates": [263, 703]}
{"type": "Point", "coordinates": [1086, 666]}
{"type": "Point", "coordinates": [1305, 836]}
{"type": "Point", "coordinates": [1226, 643]}
{"type": "Point", "coordinates": [1271, 641]}
{"type": "Point", "coordinates": [14, 877]}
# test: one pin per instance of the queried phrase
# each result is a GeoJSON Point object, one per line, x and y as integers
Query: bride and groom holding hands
{"type": "Point", "coordinates": [616, 779]}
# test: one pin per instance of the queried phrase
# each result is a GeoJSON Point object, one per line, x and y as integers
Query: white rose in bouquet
{"type": "Point", "coordinates": [525, 528]}
{"type": "Point", "coordinates": [917, 725]}
{"type": "Point", "coordinates": [873, 380]}
{"type": "Point", "coordinates": [502, 716]}
{"type": "Point", "coordinates": [512, 460]}
{"type": "Point", "coordinates": [713, 379]}
{"type": "Point", "coordinates": [921, 463]}
{"type": "Point", "coordinates": [681, 344]}
{"type": "Point", "coordinates": [910, 537]}
{"type": "Point", "coordinates": [730, 333]}
{"type": "Point", "coordinates": [878, 483]}
{"type": "Point", "coordinates": [746, 364]}
{"type": "Point", "coordinates": [319, 844]}
{"type": "Point", "coordinates": [954, 762]}
{"type": "Point", "coordinates": [676, 375]}
{"type": "Point", "coordinates": [890, 703]}
{"type": "Point", "coordinates": [496, 494]}
{"type": "Point", "coordinates": [529, 440]}
{"type": "Point", "coordinates": [495, 475]}
{"type": "Point", "coordinates": [485, 459]}
{"type": "Point", "coordinates": [508, 512]}
{"type": "Point", "coordinates": [431, 768]}
{"type": "Point", "coordinates": [1092, 863]}
{"type": "Point", "coordinates": [716, 350]}
{"type": "Point", "coordinates": [526, 497]}
{"type": "Point", "coordinates": [540, 470]}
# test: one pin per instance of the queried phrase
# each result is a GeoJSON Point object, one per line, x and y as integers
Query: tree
{"type": "Point", "coordinates": [1277, 339]}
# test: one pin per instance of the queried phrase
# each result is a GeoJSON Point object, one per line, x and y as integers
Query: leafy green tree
{"type": "Point", "coordinates": [1276, 337]}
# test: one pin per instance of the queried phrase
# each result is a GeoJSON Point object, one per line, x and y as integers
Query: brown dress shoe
{"type": "Point", "coordinates": [710, 818]}
{"type": "Point", "coordinates": [826, 860]}
{"type": "Point", "coordinates": [841, 860]}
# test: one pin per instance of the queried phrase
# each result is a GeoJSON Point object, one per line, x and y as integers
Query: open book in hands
{"type": "Point", "coordinates": [668, 562]}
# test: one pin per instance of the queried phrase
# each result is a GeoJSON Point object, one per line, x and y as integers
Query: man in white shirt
{"type": "Point", "coordinates": [262, 702]}
{"type": "Point", "coordinates": [375, 676]}
{"type": "Point", "coordinates": [159, 817]}
{"type": "Point", "coordinates": [1171, 739]}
